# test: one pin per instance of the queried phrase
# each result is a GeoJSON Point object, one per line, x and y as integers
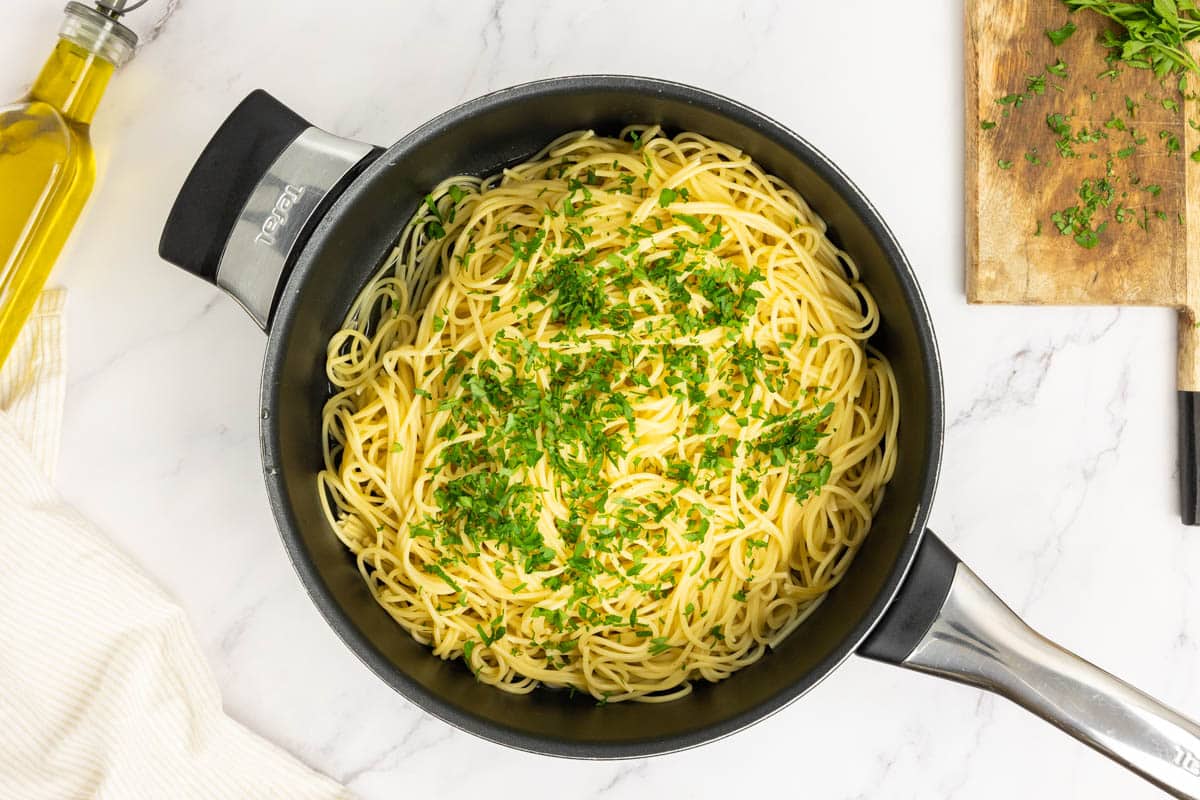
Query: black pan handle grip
{"type": "Point", "coordinates": [917, 604]}
{"type": "Point", "coordinates": [944, 621]}
{"type": "Point", "coordinates": [1189, 456]}
{"type": "Point", "coordinates": [248, 205]}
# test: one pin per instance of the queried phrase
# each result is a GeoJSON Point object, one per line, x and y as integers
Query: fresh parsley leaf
{"type": "Point", "coordinates": [434, 569]}
{"type": "Point", "coordinates": [692, 222]}
{"type": "Point", "coordinates": [1059, 35]}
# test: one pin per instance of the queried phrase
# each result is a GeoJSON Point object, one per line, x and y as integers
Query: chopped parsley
{"type": "Point", "coordinates": [692, 222]}
{"type": "Point", "coordinates": [1150, 35]}
{"type": "Point", "coordinates": [1059, 35]}
{"type": "Point", "coordinates": [1171, 141]}
{"type": "Point", "coordinates": [1077, 221]}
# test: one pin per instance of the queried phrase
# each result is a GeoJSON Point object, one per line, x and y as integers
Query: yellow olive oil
{"type": "Point", "coordinates": [46, 162]}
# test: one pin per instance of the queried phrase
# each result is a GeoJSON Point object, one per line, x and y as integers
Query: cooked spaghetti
{"type": "Point", "coordinates": [609, 420]}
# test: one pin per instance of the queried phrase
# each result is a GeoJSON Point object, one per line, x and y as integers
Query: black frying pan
{"type": "Point", "coordinates": [293, 221]}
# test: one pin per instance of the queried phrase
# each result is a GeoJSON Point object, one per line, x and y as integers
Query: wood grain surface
{"type": "Point", "coordinates": [1015, 252]}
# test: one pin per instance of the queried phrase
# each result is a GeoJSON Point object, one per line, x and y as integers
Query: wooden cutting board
{"type": "Point", "coordinates": [1007, 260]}
{"type": "Point", "coordinates": [1017, 178]}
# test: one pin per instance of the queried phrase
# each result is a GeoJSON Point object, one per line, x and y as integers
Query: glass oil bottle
{"type": "Point", "coordinates": [46, 162]}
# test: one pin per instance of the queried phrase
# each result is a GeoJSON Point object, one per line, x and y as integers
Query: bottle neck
{"type": "Point", "coordinates": [73, 81]}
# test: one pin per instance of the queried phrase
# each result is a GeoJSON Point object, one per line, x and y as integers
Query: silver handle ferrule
{"type": "Point", "coordinates": [278, 210]}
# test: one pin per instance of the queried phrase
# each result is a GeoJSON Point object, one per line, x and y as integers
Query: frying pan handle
{"type": "Point", "coordinates": [247, 206]}
{"type": "Point", "coordinates": [971, 636]}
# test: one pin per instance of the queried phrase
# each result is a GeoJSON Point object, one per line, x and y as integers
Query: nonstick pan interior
{"type": "Point", "coordinates": [344, 251]}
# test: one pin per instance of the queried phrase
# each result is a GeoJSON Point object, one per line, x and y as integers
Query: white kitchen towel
{"type": "Point", "coordinates": [104, 692]}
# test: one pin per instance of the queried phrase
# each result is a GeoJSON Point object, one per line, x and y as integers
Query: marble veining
{"type": "Point", "coordinates": [1058, 484]}
{"type": "Point", "coordinates": [160, 22]}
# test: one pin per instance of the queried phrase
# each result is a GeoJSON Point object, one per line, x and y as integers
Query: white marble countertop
{"type": "Point", "coordinates": [1059, 476]}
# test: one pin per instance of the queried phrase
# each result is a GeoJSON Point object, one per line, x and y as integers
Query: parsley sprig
{"type": "Point", "coordinates": [1152, 35]}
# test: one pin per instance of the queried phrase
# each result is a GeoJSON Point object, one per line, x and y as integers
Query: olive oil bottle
{"type": "Point", "coordinates": [46, 162]}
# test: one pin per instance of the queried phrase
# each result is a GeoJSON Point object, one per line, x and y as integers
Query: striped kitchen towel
{"type": "Point", "coordinates": [104, 692]}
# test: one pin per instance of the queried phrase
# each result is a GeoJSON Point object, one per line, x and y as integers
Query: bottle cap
{"type": "Point", "coordinates": [98, 31]}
